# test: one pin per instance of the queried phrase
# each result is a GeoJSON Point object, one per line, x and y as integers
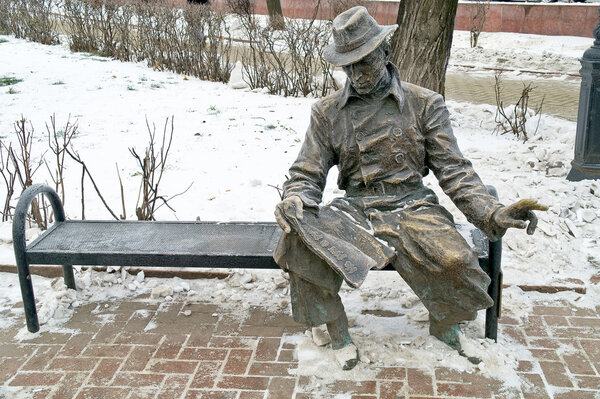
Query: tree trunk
{"type": "Point", "coordinates": [421, 44]}
{"type": "Point", "coordinates": [275, 14]}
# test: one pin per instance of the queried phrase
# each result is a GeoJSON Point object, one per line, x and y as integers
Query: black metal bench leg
{"type": "Point", "coordinates": [33, 324]}
{"type": "Point", "coordinates": [494, 290]}
{"type": "Point", "coordinates": [19, 244]}
{"type": "Point", "coordinates": [68, 276]}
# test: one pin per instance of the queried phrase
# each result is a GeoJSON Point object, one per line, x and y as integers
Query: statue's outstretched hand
{"type": "Point", "coordinates": [290, 208]}
{"type": "Point", "coordinates": [517, 215]}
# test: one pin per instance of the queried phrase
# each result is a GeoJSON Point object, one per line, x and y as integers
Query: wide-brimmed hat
{"type": "Point", "coordinates": [355, 35]}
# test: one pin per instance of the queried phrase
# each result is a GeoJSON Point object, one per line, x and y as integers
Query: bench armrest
{"type": "Point", "coordinates": [20, 246]}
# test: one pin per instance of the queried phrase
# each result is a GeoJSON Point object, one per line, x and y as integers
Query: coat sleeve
{"type": "Point", "coordinates": [454, 172]}
{"type": "Point", "coordinates": [308, 174]}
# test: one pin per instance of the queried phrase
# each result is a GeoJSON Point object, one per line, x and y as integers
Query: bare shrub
{"type": "Point", "coordinates": [36, 20]}
{"type": "Point", "coordinates": [79, 17]}
{"type": "Point", "coordinates": [103, 27]}
{"type": "Point", "coordinates": [196, 41]}
{"type": "Point", "coordinates": [105, 14]}
{"type": "Point", "coordinates": [305, 42]}
{"type": "Point", "coordinates": [25, 167]}
{"type": "Point", "coordinates": [241, 7]}
{"type": "Point", "coordinates": [159, 33]}
{"type": "Point", "coordinates": [254, 56]}
{"type": "Point", "coordinates": [9, 175]}
{"type": "Point", "coordinates": [279, 68]}
{"type": "Point", "coordinates": [152, 167]}
{"type": "Point", "coordinates": [515, 120]}
{"type": "Point", "coordinates": [295, 61]}
{"type": "Point", "coordinates": [193, 41]}
{"type": "Point", "coordinates": [144, 13]}
{"type": "Point", "coordinates": [113, 24]}
{"type": "Point", "coordinates": [5, 28]}
{"type": "Point", "coordinates": [19, 166]}
{"type": "Point", "coordinates": [478, 15]}
{"type": "Point", "coordinates": [24, 159]}
{"type": "Point", "coordinates": [124, 31]}
{"type": "Point", "coordinates": [59, 141]}
{"type": "Point", "coordinates": [287, 61]}
{"type": "Point", "coordinates": [17, 14]}
{"type": "Point", "coordinates": [30, 19]}
{"type": "Point", "coordinates": [208, 44]}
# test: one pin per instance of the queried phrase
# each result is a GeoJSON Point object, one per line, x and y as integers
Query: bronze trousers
{"type": "Point", "coordinates": [431, 256]}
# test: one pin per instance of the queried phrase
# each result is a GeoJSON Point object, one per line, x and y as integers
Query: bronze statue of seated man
{"type": "Point", "coordinates": [384, 135]}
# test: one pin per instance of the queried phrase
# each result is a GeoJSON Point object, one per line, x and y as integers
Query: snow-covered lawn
{"type": "Point", "coordinates": [233, 145]}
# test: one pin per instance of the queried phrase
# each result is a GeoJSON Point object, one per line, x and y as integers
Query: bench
{"type": "Point", "coordinates": [178, 244]}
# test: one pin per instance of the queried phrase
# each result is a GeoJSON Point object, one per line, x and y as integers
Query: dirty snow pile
{"type": "Point", "coordinates": [234, 145]}
{"type": "Point", "coordinates": [238, 292]}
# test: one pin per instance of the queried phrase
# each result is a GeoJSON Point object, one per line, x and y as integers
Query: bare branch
{"type": "Point", "coordinates": [279, 190]}
{"type": "Point", "coordinates": [516, 121]}
{"type": "Point", "coordinates": [124, 215]}
{"type": "Point", "coordinates": [9, 176]}
{"type": "Point", "coordinates": [75, 156]}
{"type": "Point", "coordinates": [152, 168]}
{"type": "Point", "coordinates": [173, 197]}
{"type": "Point", "coordinates": [24, 169]}
{"type": "Point", "coordinates": [58, 141]}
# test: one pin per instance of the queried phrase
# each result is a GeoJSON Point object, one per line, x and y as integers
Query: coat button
{"type": "Point", "coordinates": [360, 135]}
{"type": "Point", "coordinates": [397, 132]}
{"type": "Point", "coordinates": [399, 158]}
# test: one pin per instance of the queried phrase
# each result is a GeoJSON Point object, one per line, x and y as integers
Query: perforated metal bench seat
{"type": "Point", "coordinates": [182, 244]}
{"type": "Point", "coordinates": [134, 243]}
{"type": "Point", "coordinates": [177, 244]}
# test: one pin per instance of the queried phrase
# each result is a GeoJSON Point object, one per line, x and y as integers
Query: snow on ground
{"type": "Point", "coordinates": [519, 52]}
{"type": "Point", "coordinates": [233, 145]}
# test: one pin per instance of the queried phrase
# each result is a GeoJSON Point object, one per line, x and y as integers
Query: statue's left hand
{"type": "Point", "coordinates": [517, 215]}
{"type": "Point", "coordinates": [289, 209]}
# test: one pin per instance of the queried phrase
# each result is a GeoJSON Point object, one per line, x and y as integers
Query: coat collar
{"type": "Point", "coordinates": [395, 89]}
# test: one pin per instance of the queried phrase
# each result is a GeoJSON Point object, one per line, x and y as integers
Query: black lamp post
{"type": "Point", "coordinates": [586, 164]}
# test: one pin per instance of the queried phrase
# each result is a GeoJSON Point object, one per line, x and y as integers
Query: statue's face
{"type": "Point", "coordinates": [365, 73]}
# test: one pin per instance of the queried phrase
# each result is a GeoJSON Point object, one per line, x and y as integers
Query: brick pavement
{"type": "Point", "coordinates": [139, 349]}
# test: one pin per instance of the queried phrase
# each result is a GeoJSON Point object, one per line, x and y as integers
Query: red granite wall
{"type": "Point", "coordinates": [545, 19]}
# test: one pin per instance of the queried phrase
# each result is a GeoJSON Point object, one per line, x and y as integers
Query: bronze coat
{"type": "Point", "coordinates": [383, 150]}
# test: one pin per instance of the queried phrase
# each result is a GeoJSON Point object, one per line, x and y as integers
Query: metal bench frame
{"type": "Point", "coordinates": [222, 250]}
